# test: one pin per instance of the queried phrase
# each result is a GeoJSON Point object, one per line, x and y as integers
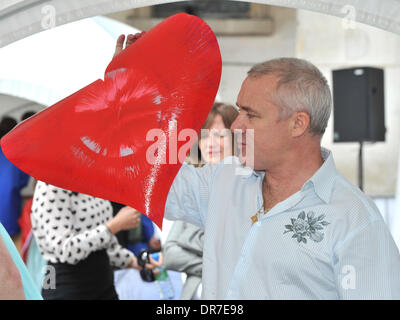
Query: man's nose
{"type": "Point", "coordinates": [237, 124]}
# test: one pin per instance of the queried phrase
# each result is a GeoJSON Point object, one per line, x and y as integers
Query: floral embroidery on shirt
{"type": "Point", "coordinates": [307, 226]}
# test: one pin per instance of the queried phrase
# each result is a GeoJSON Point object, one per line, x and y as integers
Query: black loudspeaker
{"type": "Point", "coordinates": [358, 105]}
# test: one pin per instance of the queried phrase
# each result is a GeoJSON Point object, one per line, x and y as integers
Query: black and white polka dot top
{"type": "Point", "coordinates": [68, 226]}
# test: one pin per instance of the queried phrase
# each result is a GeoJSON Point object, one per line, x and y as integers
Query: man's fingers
{"type": "Point", "coordinates": [120, 44]}
{"type": "Point", "coordinates": [132, 38]}
{"type": "Point", "coordinates": [129, 40]}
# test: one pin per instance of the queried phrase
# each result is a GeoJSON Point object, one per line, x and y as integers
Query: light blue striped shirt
{"type": "Point", "coordinates": [326, 241]}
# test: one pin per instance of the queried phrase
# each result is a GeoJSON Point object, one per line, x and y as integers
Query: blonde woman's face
{"type": "Point", "coordinates": [215, 142]}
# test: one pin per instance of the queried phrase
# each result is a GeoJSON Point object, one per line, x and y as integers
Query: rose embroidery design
{"type": "Point", "coordinates": [307, 227]}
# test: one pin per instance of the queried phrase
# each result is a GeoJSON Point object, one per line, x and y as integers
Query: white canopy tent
{"type": "Point", "coordinates": [46, 76]}
{"type": "Point", "coordinates": [21, 18]}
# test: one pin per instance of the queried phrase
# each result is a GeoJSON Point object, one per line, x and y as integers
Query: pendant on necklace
{"type": "Point", "coordinates": [255, 218]}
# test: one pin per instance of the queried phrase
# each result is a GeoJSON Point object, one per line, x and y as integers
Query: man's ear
{"type": "Point", "coordinates": [300, 121]}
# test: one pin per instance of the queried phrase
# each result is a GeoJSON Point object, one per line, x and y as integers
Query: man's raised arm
{"type": "Point", "coordinates": [188, 196]}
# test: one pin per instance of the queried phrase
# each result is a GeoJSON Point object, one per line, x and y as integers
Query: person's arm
{"type": "Point", "coordinates": [367, 264]}
{"type": "Point", "coordinates": [178, 258]}
{"type": "Point", "coordinates": [126, 218]}
{"type": "Point", "coordinates": [11, 287]}
{"type": "Point", "coordinates": [54, 230]}
{"type": "Point", "coordinates": [188, 196]}
{"type": "Point", "coordinates": [189, 193]}
{"type": "Point", "coordinates": [192, 239]}
{"type": "Point", "coordinates": [119, 256]}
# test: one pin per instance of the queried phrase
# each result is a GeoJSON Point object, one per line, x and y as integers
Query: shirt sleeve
{"type": "Point", "coordinates": [179, 258]}
{"type": "Point", "coordinates": [147, 228]}
{"type": "Point", "coordinates": [119, 256]}
{"type": "Point", "coordinates": [54, 222]}
{"type": "Point", "coordinates": [188, 196]}
{"type": "Point", "coordinates": [367, 264]}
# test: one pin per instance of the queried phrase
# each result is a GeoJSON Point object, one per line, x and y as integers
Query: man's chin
{"type": "Point", "coordinates": [246, 161]}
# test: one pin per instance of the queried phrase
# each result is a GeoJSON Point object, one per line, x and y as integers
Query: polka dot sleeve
{"type": "Point", "coordinates": [119, 256]}
{"type": "Point", "coordinates": [59, 228]}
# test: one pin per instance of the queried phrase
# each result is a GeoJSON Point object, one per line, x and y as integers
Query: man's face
{"type": "Point", "coordinates": [259, 112]}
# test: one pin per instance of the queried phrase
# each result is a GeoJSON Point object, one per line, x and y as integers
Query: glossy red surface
{"type": "Point", "coordinates": [94, 141]}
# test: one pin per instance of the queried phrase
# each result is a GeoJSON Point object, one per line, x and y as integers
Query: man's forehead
{"type": "Point", "coordinates": [261, 87]}
{"type": "Point", "coordinates": [268, 80]}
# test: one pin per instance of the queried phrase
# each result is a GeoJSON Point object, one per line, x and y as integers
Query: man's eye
{"type": "Point", "coordinates": [250, 116]}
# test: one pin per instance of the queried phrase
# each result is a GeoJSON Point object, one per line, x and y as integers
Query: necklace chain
{"type": "Point", "coordinates": [259, 212]}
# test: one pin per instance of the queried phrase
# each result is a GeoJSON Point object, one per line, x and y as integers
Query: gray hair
{"type": "Point", "coordinates": [301, 87]}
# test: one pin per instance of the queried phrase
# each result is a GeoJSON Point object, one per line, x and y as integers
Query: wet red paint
{"type": "Point", "coordinates": [94, 141]}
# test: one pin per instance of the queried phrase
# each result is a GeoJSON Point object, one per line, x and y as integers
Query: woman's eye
{"type": "Point", "coordinates": [217, 135]}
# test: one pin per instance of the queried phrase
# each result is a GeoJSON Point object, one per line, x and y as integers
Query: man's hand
{"type": "Point", "coordinates": [130, 39]}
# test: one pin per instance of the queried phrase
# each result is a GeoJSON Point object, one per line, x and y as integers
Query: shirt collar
{"type": "Point", "coordinates": [322, 180]}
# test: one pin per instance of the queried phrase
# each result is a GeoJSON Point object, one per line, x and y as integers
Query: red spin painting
{"type": "Point", "coordinates": [100, 140]}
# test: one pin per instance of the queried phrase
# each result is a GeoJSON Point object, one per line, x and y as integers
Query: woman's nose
{"type": "Point", "coordinates": [213, 141]}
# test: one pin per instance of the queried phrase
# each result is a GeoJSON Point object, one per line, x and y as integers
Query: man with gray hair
{"type": "Point", "coordinates": [294, 227]}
